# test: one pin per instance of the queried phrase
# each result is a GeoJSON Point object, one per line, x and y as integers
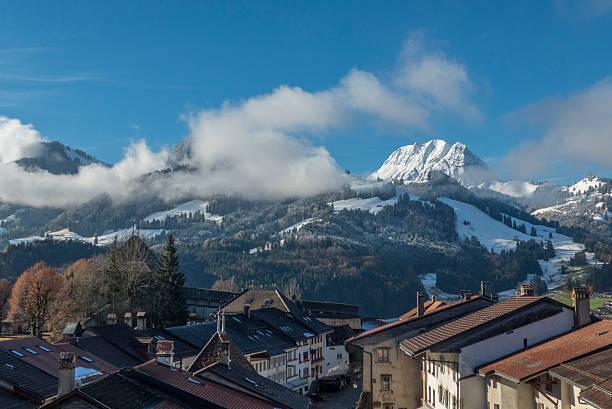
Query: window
{"type": "Point", "coordinates": [385, 382]}
{"type": "Point", "coordinates": [388, 406]}
{"type": "Point", "coordinates": [19, 354]}
{"type": "Point", "coordinates": [382, 355]}
{"type": "Point", "coordinates": [338, 356]}
{"type": "Point", "coordinates": [31, 351]}
{"type": "Point", "coordinates": [86, 359]}
{"type": "Point", "coordinates": [496, 406]}
{"type": "Point", "coordinates": [44, 348]}
{"type": "Point", "coordinates": [9, 366]}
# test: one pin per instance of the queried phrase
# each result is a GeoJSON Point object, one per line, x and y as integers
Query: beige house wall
{"type": "Point", "coordinates": [509, 395]}
{"type": "Point", "coordinates": [406, 383]}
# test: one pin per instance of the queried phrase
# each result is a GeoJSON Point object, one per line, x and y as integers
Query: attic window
{"type": "Point", "coordinates": [236, 319]}
{"type": "Point", "coordinates": [286, 328]}
{"type": "Point", "coordinates": [486, 317]}
{"type": "Point", "coordinates": [44, 348]}
{"type": "Point", "coordinates": [19, 354]}
{"type": "Point", "coordinates": [9, 366]}
{"type": "Point", "coordinates": [250, 381]}
{"type": "Point", "coordinates": [159, 337]}
{"type": "Point", "coordinates": [602, 333]}
{"type": "Point", "coordinates": [86, 359]}
{"type": "Point", "coordinates": [194, 381]}
{"type": "Point", "coordinates": [31, 351]}
{"type": "Point", "coordinates": [533, 365]}
{"type": "Point", "coordinates": [307, 319]}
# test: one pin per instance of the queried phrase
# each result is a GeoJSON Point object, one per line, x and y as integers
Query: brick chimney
{"type": "Point", "coordinates": [127, 319]}
{"type": "Point", "coordinates": [420, 304]}
{"type": "Point", "coordinates": [526, 290]}
{"type": "Point", "coordinates": [111, 319]}
{"type": "Point", "coordinates": [193, 318]}
{"type": "Point", "coordinates": [581, 298]}
{"type": "Point", "coordinates": [65, 379]}
{"type": "Point", "coordinates": [247, 310]}
{"type": "Point", "coordinates": [141, 320]}
{"type": "Point", "coordinates": [465, 295]}
{"type": "Point", "coordinates": [165, 352]}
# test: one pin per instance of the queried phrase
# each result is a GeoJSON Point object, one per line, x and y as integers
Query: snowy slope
{"type": "Point", "coordinates": [496, 236]}
{"type": "Point", "coordinates": [185, 208]}
{"type": "Point", "coordinates": [414, 162]}
{"type": "Point", "coordinates": [104, 240]}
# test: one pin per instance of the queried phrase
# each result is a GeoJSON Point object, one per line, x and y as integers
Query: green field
{"type": "Point", "coordinates": [566, 298]}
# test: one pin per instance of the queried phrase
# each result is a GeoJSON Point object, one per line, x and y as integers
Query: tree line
{"type": "Point", "coordinates": [130, 278]}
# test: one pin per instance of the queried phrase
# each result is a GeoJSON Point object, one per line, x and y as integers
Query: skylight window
{"type": "Point", "coordinates": [19, 354]}
{"type": "Point", "coordinates": [236, 319]}
{"type": "Point", "coordinates": [9, 366]}
{"type": "Point", "coordinates": [44, 348]}
{"type": "Point", "coordinates": [31, 351]}
{"type": "Point", "coordinates": [250, 381]}
{"type": "Point", "coordinates": [86, 359]}
{"type": "Point", "coordinates": [194, 381]}
{"type": "Point", "coordinates": [159, 337]}
{"type": "Point", "coordinates": [307, 319]}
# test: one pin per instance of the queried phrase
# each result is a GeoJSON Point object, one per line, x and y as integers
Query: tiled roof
{"type": "Point", "coordinates": [259, 385]}
{"type": "Point", "coordinates": [211, 353]}
{"type": "Point", "coordinates": [208, 294]}
{"type": "Point", "coordinates": [320, 309]}
{"type": "Point", "coordinates": [479, 321]}
{"type": "Point", "coordinates": [44, 356]}
{"type": "Point", "coordinates": [429, 306]}
{"type": "Point", "coordinates": [181, 348]}
{"type": "Point", "coordinates": [599, 395]}
{"type": "Point", "coordinates": [283, 322]}
{"type": "Point", "coordinates": [586, 371]}
{"type": "Point", "coordinates": [202, 388]}
{"type": "Point", "coordinates": [118, 392]}
{"type": "Point", "coordinates": [476, 302]}
{"type": "Point", "coordinates": [8, 400]}
{"type": "Point", "coordinates": [122, 337]}
{"type": "Point", "coordinates": [107, 351]}
{"type": "Point", "coordinates": [27, 377]}
{"type": "Point", "coordinates": [251, 336]}
{"type": "Point", "coordinates": [534, 360]}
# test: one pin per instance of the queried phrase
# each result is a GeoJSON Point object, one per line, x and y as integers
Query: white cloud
{"type": "Point", "coordinates": [434, 79]}
{"type": "Point", "coordinates": [576, 129]}
{"type": "Point", "coordinates": [257, 148]}
{"type": "Point", "coordinates": [17, 140]}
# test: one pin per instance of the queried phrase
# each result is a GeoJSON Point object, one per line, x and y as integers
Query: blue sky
{"type": "Point", "coordinates": [97, 76]}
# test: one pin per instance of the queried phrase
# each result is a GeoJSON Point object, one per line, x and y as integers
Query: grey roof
{"type": "Point", "coordinates": [250, 335]}
{"type": "Point", "coordinates": [17, 372]}
{"type": "Point", "coordinates": [9, 400]}
{"type": "Point", "coordinates": [182, 349]}
{"type": "Point", "coordinates": [110, 353]}
{"type": "Point", "coordinates": [262, 386]}
{"type": "Point", "coordinates": [118, 392]}
{"type": "Point", "coordinates": [284, 322]}
{"type": "Point", "coordinates": [208, 294]}
{"type": "Point", "coordinates": [320, 309]}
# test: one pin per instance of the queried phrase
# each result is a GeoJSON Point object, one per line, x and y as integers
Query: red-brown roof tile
{"type": "Point", "coordinates": [534, 360]}
{"type": "Point", "coordinates": [429, 306]}
{"type": "Point", "coordinates": [472, 321]}
{"type": "Point", "coordinates": [408, 319]}
{"type": "Point", "coordinates": [203, 388]}
{"type": "Point", "coordinates": [599, 395]}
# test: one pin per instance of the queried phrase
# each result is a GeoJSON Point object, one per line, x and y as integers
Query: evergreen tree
{"type": "Point", "coordinates": [171, 308]}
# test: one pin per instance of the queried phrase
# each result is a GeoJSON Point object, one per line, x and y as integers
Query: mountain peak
{"type": "Point", "coordinates": [414, 162]}
{"type": "Point", "coordinates": [56, 158]}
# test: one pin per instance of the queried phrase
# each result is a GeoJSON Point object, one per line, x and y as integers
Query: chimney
{"type": "Point", "coordinates": [247, 311]}
{"type": "Point", "coordinates": [223, 322]}
{"type": "Point", "coordinates": [485, 288]}
{"type": "Point", "coordinates": [581, 298]}
{"type": "Point", "coordinates": [111, 319]}
{"type": "Point", "coordinates": [141, 321]}
{"type": "Point", "coordinates": [433, 298]}
{"type": "Point", "coordinates": [527, 289]}
{"type": "Point", "coordinates": [165, 353]}
{"type": "Point", "coordinates": [465, 295]}
{"type": "Point", "coordinates": [420, 304]}
{"type": "Point", "coordinates": [193, 318]}
{"type": "Point", "coordinates": [225, 353]}
{"type": "Point", "coordinates": [127, 319]}
{"type": "Point", "coordinates": [65, 379]}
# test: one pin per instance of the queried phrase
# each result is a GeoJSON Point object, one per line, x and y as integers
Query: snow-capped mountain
{"type": "Point", "coordinates": [413, 163]}
{"type": "Point", "coordinates": [56, 158]}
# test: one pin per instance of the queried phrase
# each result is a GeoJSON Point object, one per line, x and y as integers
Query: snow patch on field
{"type": "Point", "coordinates": [192, 207]}
{"type": "Point", "coordinates": [296, 227]}
{"type": "Point", "coordinates": [496, 236]}
{"type": "Point", "coordinates": [429, 283]}
{"type": "Point", "coordinates": [104, 240]}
